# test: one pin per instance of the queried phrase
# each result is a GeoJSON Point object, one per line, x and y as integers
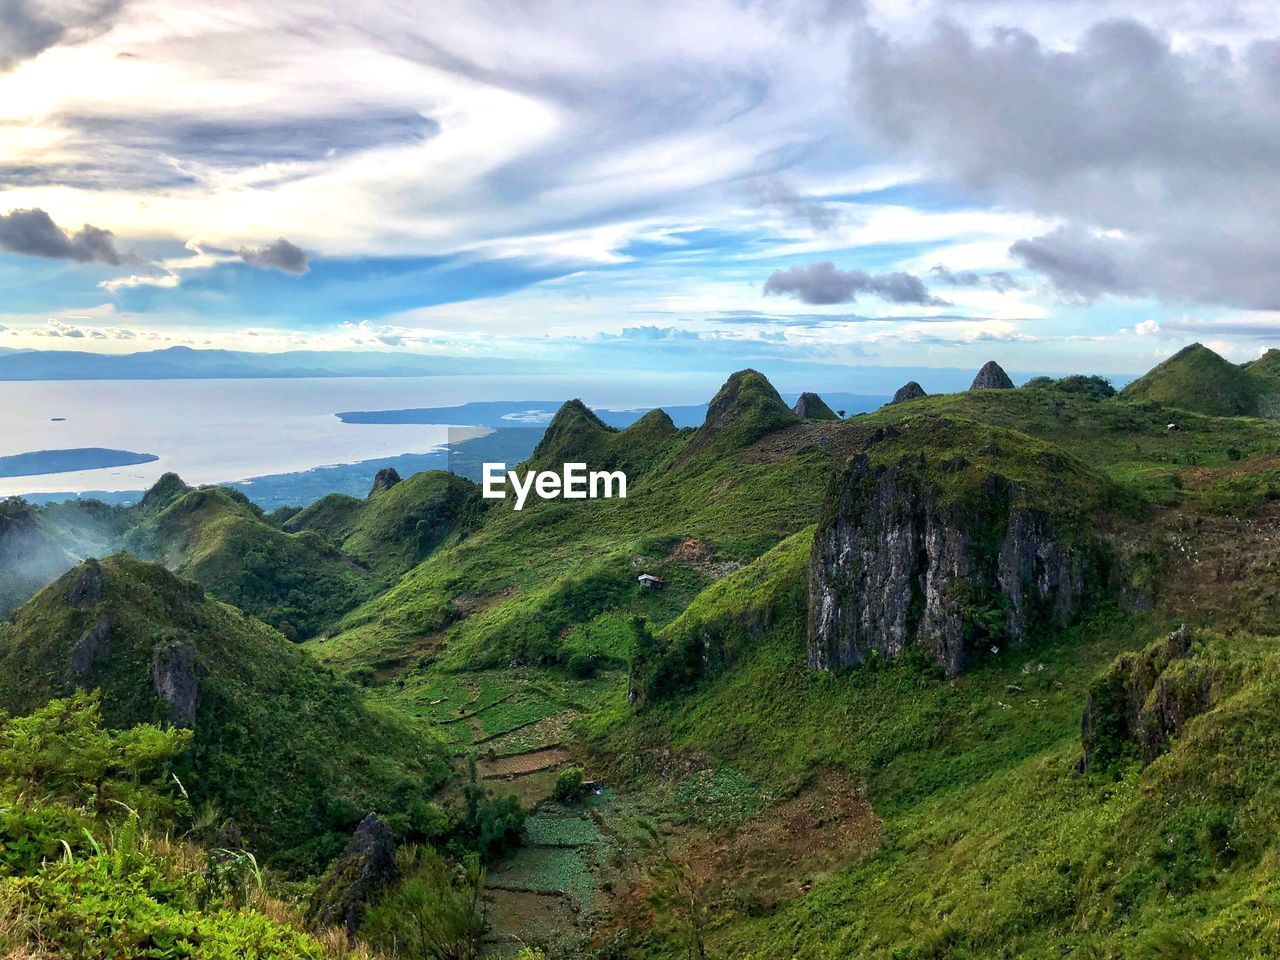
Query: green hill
{"type": "Point", "coordinates": [40, 543]}
{"type": "Point", "coordinates": [288, 751]}
{"type": "Point", "coordinates": [298, 583]}
{"type": "Point", "coordinates": [577, 435]}
{"type": "Point", "coordinates": [742, 411]}
{"type": "Point", "coordinates": [1197, 379]}
{"type": "Point", "coordinates": [395, 527]}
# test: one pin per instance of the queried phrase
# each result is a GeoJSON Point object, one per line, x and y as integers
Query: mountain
{"type": "Point", "coordinates": [399, 523]}
{"type": "Point", "coordinates": [38, 544]}
{"type": "Point", "coordinates": [985, 673]}
{"type": "Point", "coordinates": [577, 435]}
{"type": "Point", "coordinates": [1197, 379]}
{"type": "Point", "coordinates": [298, 583]}
{"type": "Point", "coordinates": [29, 556]}
{"type": "Point", "coordinates": [288, 751]}
{"type": "Point", "coordinates": [186, 363]}
{"type": "Point", "coordinates": [743, 410]}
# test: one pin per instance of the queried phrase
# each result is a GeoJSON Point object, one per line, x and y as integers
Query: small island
{"type": "Point", "coordinates": [66, 461]}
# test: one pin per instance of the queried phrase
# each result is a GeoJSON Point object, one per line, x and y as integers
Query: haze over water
{"type": "Point", "coordinates": [216, 431]}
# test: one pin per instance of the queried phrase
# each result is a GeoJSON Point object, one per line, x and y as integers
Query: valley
{"type": "Point", "coordinates": [992, 673]}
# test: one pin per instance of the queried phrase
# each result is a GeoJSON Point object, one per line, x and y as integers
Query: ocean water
{"type": "Point", "coordinates": [219, 431]}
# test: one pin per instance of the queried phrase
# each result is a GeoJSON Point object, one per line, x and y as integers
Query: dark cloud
{"type": "Point", "coordinates": [280, 255]}
{"type": "Point", "coordinates": [752, 317]}
{"type": "Point", "coordinates": [822, 283]}
{"type": "Point", "coordinates": [28, 27]}
{"type": "Point", "coordinates": [777, 193]}
{"type": "Point", "coordinates": [998, 280]}
{"type": "Point", "coordinates": [251, 141]}
{"type": "Point", "coordinates": [34, 234]}
{"type": "Point", "coordinates": [1162, 164]}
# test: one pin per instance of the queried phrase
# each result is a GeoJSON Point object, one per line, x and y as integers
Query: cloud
{"type": "Point", "coordinates": [821, 283]}
{"type": "Point", "coordinates": [34, 234]}
{"type": "Point", "coordinates": [28, 27]}
{"type": "Point", "coordinates": [652, 333]}
{"type": "Point", "coordinates": [998, 280]}
{"type": "Point", "coordinates": [1161, 163]}
{"type": "Point", "coordinates": [280, 255]}
{"type": "Point", "coordinates": [1147, 328]}
{"type": "Point", "coordinates": [777, 193]}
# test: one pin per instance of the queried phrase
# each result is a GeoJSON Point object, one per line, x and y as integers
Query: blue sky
{"type": "Point", "coordinates": [1078, 186]}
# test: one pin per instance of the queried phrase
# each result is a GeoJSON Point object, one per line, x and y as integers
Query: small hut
{"type": "Point", "coordinates": [650, 582]}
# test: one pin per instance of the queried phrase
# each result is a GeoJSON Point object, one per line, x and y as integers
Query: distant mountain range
{"type": "Point", "coordinates": [185, 363]}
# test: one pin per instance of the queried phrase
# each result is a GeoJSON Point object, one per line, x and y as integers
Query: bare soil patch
{"type": "Point", "coordinates": [522, 764]}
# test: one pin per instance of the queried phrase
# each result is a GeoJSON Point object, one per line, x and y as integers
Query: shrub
{"type": "Point", "coordinates": [568, 785]}
{"type": "Point", "coordinates": [436, 913]}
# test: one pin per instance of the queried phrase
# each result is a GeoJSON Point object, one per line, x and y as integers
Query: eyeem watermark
{"type": "Point", "coordinates": [573, 482]}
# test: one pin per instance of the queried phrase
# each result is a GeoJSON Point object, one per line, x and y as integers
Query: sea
{"type": "Point", "coordinates": [223, 431]}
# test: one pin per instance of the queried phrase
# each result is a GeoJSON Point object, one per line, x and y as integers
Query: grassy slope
{"type": "Point", "coordinates": [288, 750]}
{"type": "Point", "coordinates": [1197, 379]}
{"type": "Point", "coordinates": [996, 847]}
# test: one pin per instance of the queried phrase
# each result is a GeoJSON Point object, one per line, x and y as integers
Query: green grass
{"type": "Point", "coordinates": [1195, 378]}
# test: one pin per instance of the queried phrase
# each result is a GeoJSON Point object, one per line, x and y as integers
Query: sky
{"type": "Point", "coordinates": [1075, 186]}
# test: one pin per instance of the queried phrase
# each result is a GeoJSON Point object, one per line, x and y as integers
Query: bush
{"type": "Point", "coordinates": [568, 786]}
{"type": "Point", "coordinates": [435, 913]}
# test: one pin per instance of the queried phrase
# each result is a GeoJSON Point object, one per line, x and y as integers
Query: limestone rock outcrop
{"type": "Point", "coordinates": [365, 866]}
{"type": "Point", "coordinates": [991, 377]}
{"type": "Point", "coordinates": [908, 391]}
{"type": "Point", "coordinates": [944, 556]}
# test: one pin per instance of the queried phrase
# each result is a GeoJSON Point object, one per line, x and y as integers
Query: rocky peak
{"type": "Point", "coordinates": [384, 479]}
{"type": "Point", "coordinates": [991, 377]}
{"type": "Point", "coordinates": [908, 391]}
{"type": "Point", "coordinates": [743, 410]}
{"type": "Point", "coordinates": [164, 491]}
{"type": "Point", "coordinates": [365, 866]}
{"type": "Point", "coordinates": [86, 588]}
{"type": "Point", "coordinates": [810, 406]}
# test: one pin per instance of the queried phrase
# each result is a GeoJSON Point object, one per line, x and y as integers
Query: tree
{"type": "Point", "coordinates": [678, 877]}
{"type": "Point", "coordinates": [62, 752]}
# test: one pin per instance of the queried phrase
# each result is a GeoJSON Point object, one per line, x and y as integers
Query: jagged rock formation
{"type": "Point", "coordinates": [810, 406]}
{"type": "Point", "coordinates": [991, 377]}
{"type": "Point", "coordinates": [384, 479]}
{"type": "Point", "coordinates": [176, 680]}
{"type": "Point", "coordinates": [86, 590]}
{"type": "Point", "coordinates": [365, 866]}
{"type": "Point", "coordinates": [88, 647]}
{"type": "Point", "coordinates": [1143, 700]}
{"type": "Point", "coordinates": [921, 548]}
{"type": "Point", "coordinates": [908, 391]}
